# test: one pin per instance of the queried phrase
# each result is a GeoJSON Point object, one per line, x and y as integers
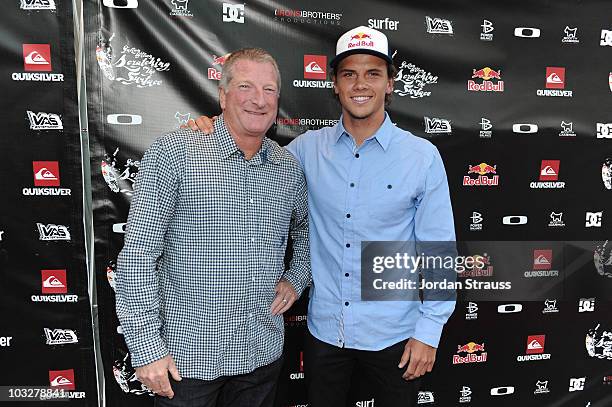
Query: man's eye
{"type": "Point", "coordinates": [243, 86]}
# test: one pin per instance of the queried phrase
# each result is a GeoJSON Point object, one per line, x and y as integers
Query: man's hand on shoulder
{"type": "Point", "coordinates": [421, 357]}
{"type": "Point", "coordinates": [204, 124]}
{"type": "Point", "coordinates": [285, 297]}
{"type": "Point", "coordinates": [155, 376]}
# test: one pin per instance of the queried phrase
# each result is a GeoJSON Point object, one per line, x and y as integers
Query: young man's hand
{"type": "Point", "coordinates": [421, 357]}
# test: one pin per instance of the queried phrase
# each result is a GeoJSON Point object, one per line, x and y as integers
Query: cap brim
{"type": "Point", "coordinates": [345, 54]}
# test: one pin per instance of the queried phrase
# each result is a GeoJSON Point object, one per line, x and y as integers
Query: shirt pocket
{"type": "Point", "coordinates": [389, 199]}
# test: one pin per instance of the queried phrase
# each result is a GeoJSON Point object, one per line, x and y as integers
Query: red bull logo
{"type": "Point", "coordinates": [470, 348]}
{"type": "Point", "coordinates": [482, 267]}
{"type": "Point", "coordinates": [482, 169]}
{"type": "Point", "coordinates": [213, 73]}
{"type": "Point", "coordinates": [220, 60]}
{"type": "Point", "coordinates": [361, 36]}
{"type": "Point", "coordinates": [486, 74]}
{"type": "Point", "coordinates": [361, 40]}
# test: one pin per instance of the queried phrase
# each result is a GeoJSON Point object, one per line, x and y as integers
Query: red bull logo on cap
{"type": "Point", "coordinates": [361, 36]}
{"type": "Point", "coordinates": [486, 74]}
{"type": "Point", "coordinates": [360, 44]}
{"type": "Point", "coordinates": [360, 40]}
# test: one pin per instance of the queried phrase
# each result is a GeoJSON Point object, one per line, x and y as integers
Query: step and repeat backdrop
{"type": "Point", "coordinates": [46, 340]}
{"type": "Point", "coordinates": [516, 97]}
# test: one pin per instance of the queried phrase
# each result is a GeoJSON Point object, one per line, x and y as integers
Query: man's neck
{"type": "Point", "coordinates": [249, 145]}
{"type": "Point", "coordinates": [362, 129]}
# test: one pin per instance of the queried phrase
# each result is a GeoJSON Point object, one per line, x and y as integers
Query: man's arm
{"type": "Point", "coordinates": [298, 277]}
{"type": "Point", "coordinates": [435, 235]}
{"type": "Point", "coordinates": [152, 207]}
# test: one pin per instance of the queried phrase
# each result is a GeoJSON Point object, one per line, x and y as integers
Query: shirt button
{"type": "Point", "coordinates": [348, 215]}
{"type": "Point", "coordinates": [253, 239]}
{"type": "Point", "coordinates": [253, 279]}
{"type": "Point", "coordinates": [346, 274]}
{"type": "Point", "coordinates": [348, 245]}
{"type": "Point", "coordinates": [250, 314]}
{"type": "Point", "coordinates": [352, 184]}
{"type": "Point", "coordinates": [389, 186]}
{"type": "Point", "coordinates": [346, 303]}
{"type": "Point", "coordinates": [251, 200]}
{"type": "Point", "coordinates": [357, 155]}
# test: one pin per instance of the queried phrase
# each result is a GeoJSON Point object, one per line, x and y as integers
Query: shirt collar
{"type": "Point", "coordinates": [227, 146]}
{"type": "Point", "coordinates": [382, 135]}
{"type": "Point", "coordinates": [271, 151]}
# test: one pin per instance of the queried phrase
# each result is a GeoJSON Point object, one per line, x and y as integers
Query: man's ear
{"type": "Point", "coordinates": [389, 89]}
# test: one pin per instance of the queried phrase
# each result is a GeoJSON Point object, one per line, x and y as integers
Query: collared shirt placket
{"type": "Point", "coordinates": [250, 179]}
{"type": "Point", "coordinates": [347, 282]}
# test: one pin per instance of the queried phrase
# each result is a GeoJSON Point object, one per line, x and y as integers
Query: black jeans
{"type": "Point", "coordinates": [255, 389]}
{"type": "Point", "coordinates": [328, 371]}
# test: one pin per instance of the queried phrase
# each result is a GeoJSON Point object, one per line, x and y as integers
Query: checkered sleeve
{"type": "Point", "coordinates": [299, 270]}
{"type": "Point", "coordinates": [137, 284]}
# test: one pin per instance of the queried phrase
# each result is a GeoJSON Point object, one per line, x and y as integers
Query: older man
{"type": "Point", "coordinates": [201, 284]}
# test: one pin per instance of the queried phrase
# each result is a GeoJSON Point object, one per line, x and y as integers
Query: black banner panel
{"type": "Point", "coordinates": [46, 340]}
{"type": "Point", "coordinates": [517, 99]}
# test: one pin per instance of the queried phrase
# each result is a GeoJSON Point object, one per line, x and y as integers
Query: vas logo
{"type": "Point", "coordinates": [60, 336]}
{"type": "Point", "coordinates": [53, 232]}
{"type": "Point", "coordinates": [44, 121]}
{"type": "Point", "coordinates": [438, 26]}
{"type": "Point", "coordinates": [435, 125]}
{"type": "Point", "coordinates": [38, 4]}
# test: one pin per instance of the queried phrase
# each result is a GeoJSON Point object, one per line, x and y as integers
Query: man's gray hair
{"type": "Point", "coordinates": [251, 54]}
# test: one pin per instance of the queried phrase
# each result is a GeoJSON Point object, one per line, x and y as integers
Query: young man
{"type": "Point", "coordinates": [201, 284]}
{"type": "Point", "coordinates": [368, 180]}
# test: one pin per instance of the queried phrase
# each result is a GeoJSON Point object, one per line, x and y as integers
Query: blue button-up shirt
{"type": "Point", "coordinates": [392, 187]}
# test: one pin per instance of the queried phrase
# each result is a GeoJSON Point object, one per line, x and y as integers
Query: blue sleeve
{"type": "Point", "coordinates": [433, 224]}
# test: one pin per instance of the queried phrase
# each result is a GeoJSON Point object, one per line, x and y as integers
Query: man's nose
{"type": "Point", "coordinates": [360, 82]}
{"type": "Point", "coordinates": [258, 98]}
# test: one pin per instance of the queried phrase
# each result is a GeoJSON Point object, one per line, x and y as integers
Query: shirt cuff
{"type": "Point", "coordinates": [428, 331]}
{"type": "Point", "coordinates": [298, 284]}
{"type": "Point", "coordinates": [148, 351]}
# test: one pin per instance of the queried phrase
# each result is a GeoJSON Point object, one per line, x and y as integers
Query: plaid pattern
{"type": "Point", "coordinates": [204, 249]}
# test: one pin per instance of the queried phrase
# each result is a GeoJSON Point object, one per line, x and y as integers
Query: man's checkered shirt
{"type": "Point", "coordinates": [204, 249]}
